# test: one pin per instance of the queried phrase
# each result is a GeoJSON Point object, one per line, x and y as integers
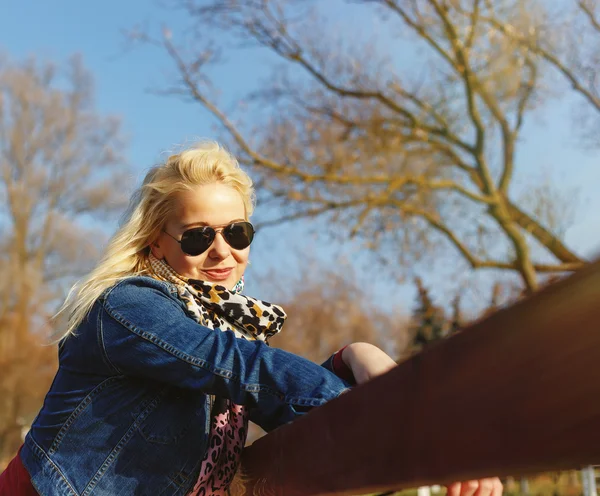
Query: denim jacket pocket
{"type": "Point", "coordinates": [102, 391]}
{"type": "Point", "coordinates": [177, 410]}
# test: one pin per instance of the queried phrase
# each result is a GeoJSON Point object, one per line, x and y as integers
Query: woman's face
{"type": "Point", "coordinates": [208, 205]}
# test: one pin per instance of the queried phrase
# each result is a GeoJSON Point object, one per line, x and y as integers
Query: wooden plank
{"type": "Point", "coordinates": [516, 393]}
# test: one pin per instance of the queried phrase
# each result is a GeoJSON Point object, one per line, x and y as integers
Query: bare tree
{"type": "Point", "coordinates": [61, 174]}
{"type": "Point", "coordinates": [407, 160]}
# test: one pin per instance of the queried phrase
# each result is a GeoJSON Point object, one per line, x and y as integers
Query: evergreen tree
{"type": "Point", "coordinates": [458, 321]}
{"type": "Point", "coordinates": [429, 322]}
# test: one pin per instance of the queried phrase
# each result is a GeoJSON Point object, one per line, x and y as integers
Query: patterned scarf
{"type": "Point", "coordinates": [217, 307]}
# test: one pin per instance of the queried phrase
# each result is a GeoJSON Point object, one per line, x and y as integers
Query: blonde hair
{"type": "Point", "coordinates": [127, 251]}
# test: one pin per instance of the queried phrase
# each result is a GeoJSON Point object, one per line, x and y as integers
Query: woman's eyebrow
{"type": "Point", "coordinates": [204, 224]}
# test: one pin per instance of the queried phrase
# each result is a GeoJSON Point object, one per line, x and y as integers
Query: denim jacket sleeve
{"type": "Point", "coordinates": [146, 333]}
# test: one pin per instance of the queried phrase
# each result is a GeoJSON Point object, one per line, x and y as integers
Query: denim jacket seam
{"type": "Point", "coordinates": [100, 334]}
{"type": "Point", "coordinates": [253, 387]}
{"type": "Point", "coordinates": [185, 482]}
{"type": "Point", "coordinates": [185, 357]}
{"type": "Point", "coordinates": [303, 401]}
{"type": "Point", "coordinates": [119, 446]}
{"type": "Point", "coordinates": [180, 485]}
{"type": "Point", "coordinates": [45, 456]}
{"type": "Point", "coordinates": [152, 338]}
{"type": "Point", "coordinates": [168, 286]}
{"type": "Point", "coordinates": [76, 412]}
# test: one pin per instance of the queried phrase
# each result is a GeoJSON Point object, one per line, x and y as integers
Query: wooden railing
{"type": "Point", "coordinates": [516, 393]}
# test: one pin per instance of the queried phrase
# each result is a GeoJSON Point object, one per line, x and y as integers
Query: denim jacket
{"type": "Point", "coordinates": [128, 412]}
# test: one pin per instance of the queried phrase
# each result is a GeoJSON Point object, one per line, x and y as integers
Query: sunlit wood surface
{"type": "Point", "coordinates": [516, 393]}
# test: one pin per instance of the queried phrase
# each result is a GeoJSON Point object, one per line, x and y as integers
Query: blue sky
{"type": "Point", "coordinates": [153, 124]}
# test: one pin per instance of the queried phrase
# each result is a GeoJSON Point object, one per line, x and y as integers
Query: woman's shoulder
{"type": "Point", "coordinates": [138, 287]}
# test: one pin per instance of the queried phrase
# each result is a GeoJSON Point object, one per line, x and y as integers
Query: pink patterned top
{"type": "Point", "coordinates": [228, 432]}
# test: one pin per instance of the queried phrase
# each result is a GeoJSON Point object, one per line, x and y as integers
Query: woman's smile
{"type": "Point", "coordinates": [217, 274]}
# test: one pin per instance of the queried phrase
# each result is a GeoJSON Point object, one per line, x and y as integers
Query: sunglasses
{"type": "Point", "coordinates": [195, 241]}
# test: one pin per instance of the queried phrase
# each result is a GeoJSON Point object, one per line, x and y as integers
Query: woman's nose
{"type": "Point", "coordinates": [219, 247]}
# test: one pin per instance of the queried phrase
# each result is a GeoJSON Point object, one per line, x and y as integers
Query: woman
{"type": "Point", "coordinates": [164, 360]}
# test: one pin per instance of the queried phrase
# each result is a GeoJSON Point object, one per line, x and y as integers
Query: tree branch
{"type": "Point", "coordinates": [554, 61]}
{"type": "Point", "coordinates": [474, 19]}
{"type": "Point", "coordinates": [547, 239]}
{"type": "Point", "coordinates": [473, 87]}
{"type": "Point", "coordinates": [471, 259]}
{"type": "Point", "coordinates": [594, 21]}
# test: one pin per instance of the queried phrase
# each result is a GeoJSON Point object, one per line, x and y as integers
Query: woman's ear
{"type": "Point", "coordinates": [156, 249]}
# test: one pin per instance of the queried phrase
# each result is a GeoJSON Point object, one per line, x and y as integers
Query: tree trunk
{"type": "Point", "coordinates": [524, 485]}
{"type": "Point", "coordinates": [588, 479]}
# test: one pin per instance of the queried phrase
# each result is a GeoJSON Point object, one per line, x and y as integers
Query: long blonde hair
{"type": "Point", "coordinates": [127, 251]}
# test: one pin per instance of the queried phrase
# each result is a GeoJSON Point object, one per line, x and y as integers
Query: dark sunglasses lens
{"type": "Point", "coordinates": [239, 235]}
{"type": "Point", "coordinates": [197, 240]}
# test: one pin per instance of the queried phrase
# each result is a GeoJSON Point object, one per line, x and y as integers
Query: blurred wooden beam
{"type": "Point", "coordinates": [516, 393]}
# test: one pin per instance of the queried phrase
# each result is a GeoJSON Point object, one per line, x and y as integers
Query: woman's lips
{"type": "Point", "coordinates": [218, 274]}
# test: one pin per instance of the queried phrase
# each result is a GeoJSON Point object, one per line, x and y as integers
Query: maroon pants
{"type": "Point", "coordinates": [15, 480]}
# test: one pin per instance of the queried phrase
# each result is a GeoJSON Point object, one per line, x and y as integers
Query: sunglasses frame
{"type": "Point", "coordinates": [213, 231]}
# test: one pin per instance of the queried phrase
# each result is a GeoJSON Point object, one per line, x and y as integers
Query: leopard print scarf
{"type": "Point", "coordinates": [217, 307]}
